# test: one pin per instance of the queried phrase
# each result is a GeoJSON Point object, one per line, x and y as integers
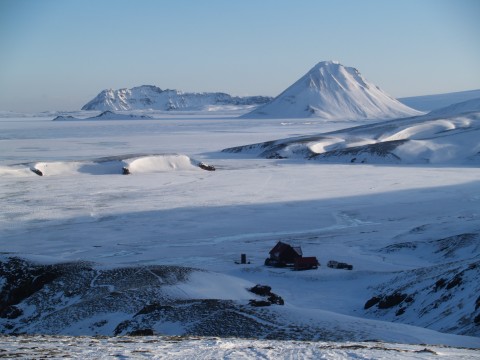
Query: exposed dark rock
{"type": "Point", "coordinates": [457, 280]}
{"type": "Point", "coordinates": [391, 300]}
{"type": "Point", "coordinates": [22, 280]}
{"type": "Point", "coordinates": [400, 311]}
{"type": "Point", "coordinates": [371, 302]}
{"type": "Point", "coordinates": [36, 171]}
{"type": "Point", "coordinates": [262, 290]}
{"type": "Point", "coordinates": [153, 307]}
{"type": "Point", "coordinates": [275, 299]}
{"type": "Point", "coordinates": [440, 284]}
{"type": "Point", "coordinates": [122, 327]}
{"type": "Point", "coordinates": [258, 303]}
{"type": "Point", "coordinates": [11, 312]}
{"type": "Point", "coordinates": [206, 167]}
{"type": "Point", "coordinates": [141, 332]}
{"type": "Point", "coordinates": [265, 291]}
{"type": "Point", "coordinates": [425, 350]}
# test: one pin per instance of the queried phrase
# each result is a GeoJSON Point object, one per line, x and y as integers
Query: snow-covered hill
{"type": "Point", "coordinates": [446, 136]}
{"type": "Point", "coordinates": [152, 97]}
{"type": "Point", "coordinates": [433, 102]}
{"type": "Point", "coordinates": [334, 92]}
{"type": "Point", "coordinates": [472, 105]}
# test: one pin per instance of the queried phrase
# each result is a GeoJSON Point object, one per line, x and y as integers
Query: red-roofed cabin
{"type": "Point", "coordinates": [306, 263]}
{"type": "Point", "coordinates": [283, 255]}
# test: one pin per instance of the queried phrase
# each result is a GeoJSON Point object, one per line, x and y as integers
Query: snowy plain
{"type": "Point", "coordinates": [171, 212]}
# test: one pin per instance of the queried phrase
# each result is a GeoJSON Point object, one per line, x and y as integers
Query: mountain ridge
{"type": "Point", "coordinates": [152, 97]}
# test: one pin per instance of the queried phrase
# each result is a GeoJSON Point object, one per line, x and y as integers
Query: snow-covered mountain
{"type": "Point", "coordinates": [446, 136]}
{"type": "Point", "coordinates": [152, 97]}
{"type": "Point", "coordinates": [334, 92]}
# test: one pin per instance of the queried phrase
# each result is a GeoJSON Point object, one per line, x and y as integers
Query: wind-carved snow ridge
{"type": "Point", "coordinates": [332, 91]}
{"type": "Point", "coordinates": [152, 97]}
{"type": "Point", "coordinates": [123, 164]}
{"type": "Point", "coordinates": [446, 136]}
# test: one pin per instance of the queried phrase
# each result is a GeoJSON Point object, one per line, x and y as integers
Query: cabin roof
{"type": "Point", "coordinates": [280, 247]}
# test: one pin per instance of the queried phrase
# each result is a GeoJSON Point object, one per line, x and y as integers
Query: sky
{"type": "Point", "coordinates": [59, 54]}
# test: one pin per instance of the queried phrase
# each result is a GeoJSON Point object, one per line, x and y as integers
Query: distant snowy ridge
{"type": "Point", "coordinates": [432, 138]}
{"type": "Point", "coordinates": [437, 101]}
{"type": "Point", "coordinates": [333, 92]}
{"type": "Point", "coordinates": [472, 105]}
{"type": "Point", "coordinates": [106, 115]}
{"type": "Point", "coordinates": [152, 97]}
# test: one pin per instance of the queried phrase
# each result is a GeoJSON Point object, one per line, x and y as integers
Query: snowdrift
{"type": "Point", "coordinates": [129, 164]}
{"type": "Point", "coordinates": [429, 139]}
{"type": "Point", "coordinates": [332, 91]}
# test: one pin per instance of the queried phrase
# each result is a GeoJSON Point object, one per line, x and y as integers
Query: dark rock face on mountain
{"type": "Point", "coordinates": [152, 97]}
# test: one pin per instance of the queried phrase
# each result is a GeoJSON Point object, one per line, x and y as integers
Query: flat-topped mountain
{"type": "Point", "coordinates": [152, 97]}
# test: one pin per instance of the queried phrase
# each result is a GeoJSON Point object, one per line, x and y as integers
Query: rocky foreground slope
{"type": "Point", "coordinates": [81, 298]}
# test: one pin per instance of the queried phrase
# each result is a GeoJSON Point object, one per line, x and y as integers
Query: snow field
{"type": "Point", "coordinates": [206, 220]}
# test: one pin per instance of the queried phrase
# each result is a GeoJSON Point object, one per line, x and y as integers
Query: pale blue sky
{"type": "Point", "coordinates": [58, 54]}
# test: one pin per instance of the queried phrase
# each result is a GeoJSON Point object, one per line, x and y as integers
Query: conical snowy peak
{"type": "Point", "coordinates": [334, 92]}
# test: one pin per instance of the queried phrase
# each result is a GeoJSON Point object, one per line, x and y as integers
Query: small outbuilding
{"type": "Point", "coordinates": [306, 263]}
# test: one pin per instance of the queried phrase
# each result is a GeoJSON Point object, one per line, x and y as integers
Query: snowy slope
{"type": "Point", "coordinates": [334, 92]}
{"type": "Point", "coordinates": [433, 102]}
{"type": "Point", "coordinates": [152, 97]}
{"type": "Point", "coordinates": [433, 138]}
{"type": "Point", "coordinates": [81, 298]}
